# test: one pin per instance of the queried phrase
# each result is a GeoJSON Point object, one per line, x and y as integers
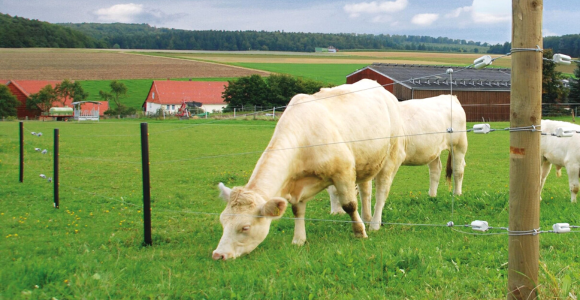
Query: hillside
{"type": "Point", "coordinates": [17, 32]}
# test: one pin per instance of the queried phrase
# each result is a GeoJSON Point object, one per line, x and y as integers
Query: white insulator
{"type": "Point", "coordinates": [36, 149]}
{"type": "Point", "coordinates": [39, 134]}
{"type": "Point", "coordinates": [564, 132]}
{"type": "Point", "coordinates": [42, 176]}
{"type": "Point", "coordinates": [561, 227]}
{"type": "Point", "coordinates": [449, 71]}
{"type": "Point", "coordinates": [482, 62]}
{"type": "Point", "coordinates": [44, 151]}
{"type": "Point", "coordinates": [479, 225]}
{"type": "Point", "coordinates": [33, 133]}
{"type": "Point", "coordinates": [481, 128]}
{"type": "Point", "coordinates": [562, 59]}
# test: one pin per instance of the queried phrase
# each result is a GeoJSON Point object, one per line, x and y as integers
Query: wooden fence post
{"type": "Point", "coordinates": [525, 110]}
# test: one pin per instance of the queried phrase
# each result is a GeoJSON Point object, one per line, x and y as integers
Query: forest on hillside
{"type": "Point", "coordinates": [17, 32]}
{"type": "Point", "coordinates": [143, 36]}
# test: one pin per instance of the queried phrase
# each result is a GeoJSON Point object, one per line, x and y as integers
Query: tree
{"type": "Point", "coordinates": [43, 100]}
{"type": "Point", "coordinates": [8, 102]}
{"type": "Point", "coordinates": [118, 90]}
{"type": "Point", "coordinates": [248, 90]}
{"type": "Point", "coordinates": [574, 96]}
{"type": "Point", "coordinates": [67, 89]}
{"type": "Point", "coordinates": [553, 89]}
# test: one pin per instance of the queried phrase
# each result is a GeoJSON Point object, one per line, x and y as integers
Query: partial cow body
{"type": "Point", "coordinates": [339, 136]}
{"type": "Point", "coordinates": [561, 152]}
{"type": "Point", "coordinates": [425, 125]}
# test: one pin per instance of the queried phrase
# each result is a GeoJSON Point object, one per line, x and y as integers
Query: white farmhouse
{"type": "Point", "coordinates": [169, 95]}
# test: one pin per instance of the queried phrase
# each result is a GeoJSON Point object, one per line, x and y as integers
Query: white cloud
{"type": "Point", "coordinates": [424, 19]}
{"type": "Point", "coordinates": [547, 32]}
{"type": "Point", "coordinates": [356, 9]}
{"type": "Point", "coordinates": [491, 11]}
{"type": "Point", "coordinates": [133, 13]}
{"type": "Point", "coordinates": [458, 11]}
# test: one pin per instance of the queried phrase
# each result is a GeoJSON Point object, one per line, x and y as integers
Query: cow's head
{"type": "Point", "coordinates": [246, 221]}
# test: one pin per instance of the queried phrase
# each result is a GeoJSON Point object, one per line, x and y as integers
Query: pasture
{"type": "Point", "coordinates": [92, 246]}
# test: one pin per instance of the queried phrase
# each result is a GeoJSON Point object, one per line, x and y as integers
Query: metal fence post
{"type": "Point", "coordinates": [146, 184]}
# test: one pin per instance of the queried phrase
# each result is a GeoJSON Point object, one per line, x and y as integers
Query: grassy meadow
{"type": "Point", "coordinates": [91, 248]}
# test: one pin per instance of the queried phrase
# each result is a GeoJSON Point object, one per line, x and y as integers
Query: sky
{"type": "Point", "coordinates": [477, 20]}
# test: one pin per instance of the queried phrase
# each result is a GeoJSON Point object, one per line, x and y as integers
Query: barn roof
{"type": "Point", "coordinates": [427, 77]}
{"type": "Point", "coordinates": [175, 92]}
{"type": "Point", "coordinates": [28, 87]}
{"type": "Point", "coordinates": [4, 81]}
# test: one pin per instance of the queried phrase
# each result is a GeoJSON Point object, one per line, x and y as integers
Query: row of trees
{"type": "Point", "coordinates": [567, 44]}
{"type": "Point", "coordinates": [273, 91]}
{"type": "Point", "coordinates": [143, 36]}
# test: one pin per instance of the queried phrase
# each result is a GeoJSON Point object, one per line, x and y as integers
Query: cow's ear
{"type": "Point", "coordinates": [274, 208]}
{"type": "Point", "coordinates": [224, 192]}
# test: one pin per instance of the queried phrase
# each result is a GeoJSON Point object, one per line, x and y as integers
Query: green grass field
{"type": "Point", "coordinates": [327, 73]}
{"type": "Point", "coordinates": [92, 246]}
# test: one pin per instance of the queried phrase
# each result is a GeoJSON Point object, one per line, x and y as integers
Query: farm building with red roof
{"type": "Point", "coordinates": [22, 89]}
{"type": "Point", "coordinates": [169, 95]}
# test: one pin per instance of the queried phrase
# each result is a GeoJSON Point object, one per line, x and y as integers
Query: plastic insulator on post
{"type": "Point", "coordinates": [449, 71]}
{"type": "Point", "coordinates": [564, 132]}
{"type": "Point", "coordinates": [561, 227]}
{"type": "Point", "coordinates": [482, 62]}
{"type": "Point", "coordinates": [562, 59]}
{"type": "Point", "coordinates": [479, 225]}
{"type": "Point", "coordinates": [481, 128]}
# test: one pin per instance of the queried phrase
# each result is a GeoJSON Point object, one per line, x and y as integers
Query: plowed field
{"type": "Point", "coordinates": [59, 64]}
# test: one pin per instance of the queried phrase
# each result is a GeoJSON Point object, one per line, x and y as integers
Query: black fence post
{"type": "Point", "coordinates": [21, 176]}
{"type": "Point", "coordinates": [146, 184]}
{"type": "Point", "coordinates": [56, 170]}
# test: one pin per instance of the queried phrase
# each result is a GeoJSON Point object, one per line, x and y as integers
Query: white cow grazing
{"type": "Point", "coordinates": [422, 117]}
{"type": "Point", "coordinates": [561, 152]}
{"type": "Point", "coordinates": [337, 136]}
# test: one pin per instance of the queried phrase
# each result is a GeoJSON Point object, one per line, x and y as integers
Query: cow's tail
{"type": "Point", "coordinates": [449, 169]}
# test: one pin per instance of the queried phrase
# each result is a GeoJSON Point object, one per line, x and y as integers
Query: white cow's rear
{"type": "Point", "coordinates": [338, 136]}
{"type": "Point", "coordinates": [561, 152]}
{"type": "Point", "coordinates": [426, 124]}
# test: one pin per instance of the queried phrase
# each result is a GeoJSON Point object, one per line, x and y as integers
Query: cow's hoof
{"type": "Point", "coordinates": [298, 242]}
{"type": "Point", "coordinates": [362, 235]}
{"type": "Point", "coordinates": [337, 212]}
{"type": "Point", "coordinates": [374, 227]}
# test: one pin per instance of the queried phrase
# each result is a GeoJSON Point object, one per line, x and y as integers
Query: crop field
{"type": "Point", "coordinates": [78, 64]}
{"type": "Point", "coordinates": [92, 246]}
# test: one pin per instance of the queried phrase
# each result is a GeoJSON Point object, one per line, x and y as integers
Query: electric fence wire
{"type": "Point", "coordinates": [449, 224]}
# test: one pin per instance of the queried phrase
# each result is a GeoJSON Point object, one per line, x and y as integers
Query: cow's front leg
{"type": "Point", "coordinates": [299, 210]}
{"type": "Point", "coordinates": [573, 181]}
{"type": "Point", "coordinates": [434, 175]}
{"type": "Point", "coordinates": [347, 197]}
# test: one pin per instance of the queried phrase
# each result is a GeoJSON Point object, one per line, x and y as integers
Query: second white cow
{"type": "Point", "coordinates": [425, 124]}
{"type": "Point", "coordinates": [561, 152]}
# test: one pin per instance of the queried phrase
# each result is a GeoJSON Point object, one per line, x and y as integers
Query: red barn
{"type": "Point", "coordinates": [484, 94]}
{"type": "Point", "coordinates": [22, 89]}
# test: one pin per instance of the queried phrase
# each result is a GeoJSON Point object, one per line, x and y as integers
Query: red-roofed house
{"type": "Point", "coordinates": [22, 89]}
{"type": "Point", "coordinates": [169, 95]}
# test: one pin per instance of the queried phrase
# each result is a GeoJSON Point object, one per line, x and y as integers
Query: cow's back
{"type": "Point", "coordinates": [351, 124]}
{"type": "Point", "coordinates": [426, 121]}
{"type": "Point", "coordinates": [559, 151]}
